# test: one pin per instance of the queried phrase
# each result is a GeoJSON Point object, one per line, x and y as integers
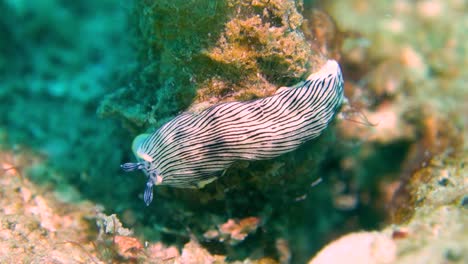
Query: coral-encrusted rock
{"type": "Point", "coordinates": [364, 247]}
{"type": "Point", "coordinates": [436, 231]}
{"type": "Point", "coordinates": [35, 227]}
{"type": "Point", "coordinates": [193, 253]}
{"type": "Point", "coordinates": [207, 52]}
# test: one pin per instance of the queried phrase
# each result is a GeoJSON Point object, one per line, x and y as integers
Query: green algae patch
{"type": "Point", "coordinates": [205, 52]}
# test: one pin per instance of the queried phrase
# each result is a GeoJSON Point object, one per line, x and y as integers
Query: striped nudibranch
{"type": "Point", "coordinates": [192, 150]}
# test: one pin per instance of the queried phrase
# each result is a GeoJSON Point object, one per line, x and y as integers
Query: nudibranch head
{"type": "Point", "coordinates": [192, 150]}
{"type": "Point", "coordinates": [144, 164]}
{"type": "Point", "coordinates": [137, 143]}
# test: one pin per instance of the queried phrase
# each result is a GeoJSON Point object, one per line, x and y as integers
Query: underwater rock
{"type": "Point", "coordinates": [36, 227]}
{"type": "Point", "coordinates": [194, 253]}
{"type": "Point", "coordinates": [201, 53]}
{"type": "Point", "coordinates": [128, 247]}
{"type": "Point", "coordinates": [405, 68]}
{"type": "Point", "coordinates": [408, 86]}
{"type": "Point", "coordinates": [435, 232]}
{"type": "Point", "coordinates": [233, 231]}
{"type": "Point", "coordinates": [192, 55]}
{"type": "Point", "coordinates": [363, 247]}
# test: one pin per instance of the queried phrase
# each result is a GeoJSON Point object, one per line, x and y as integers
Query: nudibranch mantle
{"type": "Point", "coordinates": [192, 150]}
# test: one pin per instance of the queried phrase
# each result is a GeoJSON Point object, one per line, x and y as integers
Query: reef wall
{"type": "Point", "coordinates": [80, 80]}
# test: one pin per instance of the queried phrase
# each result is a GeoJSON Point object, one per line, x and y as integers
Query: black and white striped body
{"type": "Point", "coordinates": [193, 149]}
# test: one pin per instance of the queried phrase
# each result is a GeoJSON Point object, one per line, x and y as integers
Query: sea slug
{"type": "Point", "coordinates": [192, 150]}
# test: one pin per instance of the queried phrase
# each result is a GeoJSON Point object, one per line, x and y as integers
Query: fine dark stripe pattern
{"type": "Point", "coordinates": [193, 149]}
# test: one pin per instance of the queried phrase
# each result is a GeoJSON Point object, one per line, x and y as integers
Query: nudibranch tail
{"type": "Point", "coordinates": [192, 150]}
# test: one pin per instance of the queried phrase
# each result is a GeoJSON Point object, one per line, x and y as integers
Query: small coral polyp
{"type": "Point", "coordinates": [193, 150]}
